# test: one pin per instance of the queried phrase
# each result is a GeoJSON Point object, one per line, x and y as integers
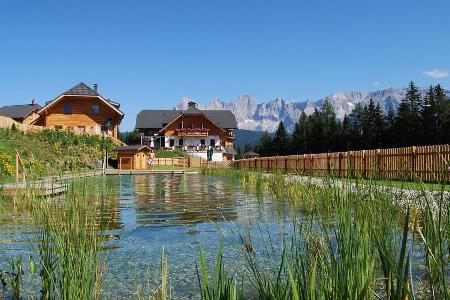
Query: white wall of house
{"type": "Point", "coordinates": [217, 156]}
{"type": "Point", "coordinates": [192, 141]}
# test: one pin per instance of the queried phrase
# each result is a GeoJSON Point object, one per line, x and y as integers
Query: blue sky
{"type": "Point", "coordinates": [149, 54]}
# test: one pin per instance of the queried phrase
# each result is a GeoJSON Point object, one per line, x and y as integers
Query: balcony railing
{"type": "Point", "coordinates": [192, 131]}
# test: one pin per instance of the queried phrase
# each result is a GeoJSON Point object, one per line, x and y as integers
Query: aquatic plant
{"type": "Point", "coordinates": [223, 286]}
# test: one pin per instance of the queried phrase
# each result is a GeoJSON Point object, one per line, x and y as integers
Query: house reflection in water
{"type": "Point", "coordinates": [174, 200]}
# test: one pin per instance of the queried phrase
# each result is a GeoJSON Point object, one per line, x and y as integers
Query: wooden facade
{"type": "Point", "coordinates": [133, 157]}
{"type": "Point", "coordinates": [81, 110]}
{"type": "Point", "coordinates": [197, 125]}
{"type": "Point", "coordinates": [81, 113]}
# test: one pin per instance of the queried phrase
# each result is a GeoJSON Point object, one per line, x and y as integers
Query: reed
{"type": "Point", "coordinates": [353, 243]}
{"type": "Point", "coordinates": [221, 286]}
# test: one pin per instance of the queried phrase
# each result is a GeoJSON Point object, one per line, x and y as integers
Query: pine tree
{"type": "Point", "coordinates": [281, 140]}
{"type": "Point", "coordinates": [442, 110]}
{"type": "Point", "coordinates": [408, 118]}
{"type": "Point", "coordinates": [390, 133]}
{"type": "Point", "coordinates": [428, 118]}
{"type": "Point", "coordinates": [299, 141]}
{"type": "Point", "coordinates": [264, 146]}
{"type": "Point", "coordinates": [345, 134]}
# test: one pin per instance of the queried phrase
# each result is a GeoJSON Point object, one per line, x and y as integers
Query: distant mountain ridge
{"type": "Point", "coordinates": [261, 116]}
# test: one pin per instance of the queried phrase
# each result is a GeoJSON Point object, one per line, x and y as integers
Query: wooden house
{"type": "Point", "coordinates": [81, 109]}
{"type": "Point", "coordinates": [250, 154]}
{"type": "Point", "coordinates": [24, 114]}
{"type": "Point", "coordinates": [132, 157]}
{"type": "Point", "coordinates": [192, 130]}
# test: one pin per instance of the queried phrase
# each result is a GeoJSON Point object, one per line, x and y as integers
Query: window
{"type": "Point", "coordinates": [95, 109]}
{"type": "Point", "coordinates": [172, 142]}
{"type": "Point", "coordinates": [180, 142]}
{"type": "Point", "coordinates": [212, 142]}
{"type": "Point", "coordinates": [67, 108]}
{"type": "Point", "coordinates": [58, 127]}
{"type": "Point", "coordinates": [81, 128]}
{"type": "Point", "coordinates": [202, 142]}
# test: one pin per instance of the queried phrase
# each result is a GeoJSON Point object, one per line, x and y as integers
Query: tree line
{"type": "Point", "coordinates": [419, 120]}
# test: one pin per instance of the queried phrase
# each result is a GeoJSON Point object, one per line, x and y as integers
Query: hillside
{"type": "Point", "coordinates": [243, 137]}
{"type": "Point", "coordinates": [49, 152]}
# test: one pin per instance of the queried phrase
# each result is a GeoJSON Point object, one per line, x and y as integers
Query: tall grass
{"type": "Point", "coordinates": [356, 242]}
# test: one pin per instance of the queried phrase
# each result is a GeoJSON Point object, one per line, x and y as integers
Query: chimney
{"type": "Point", "coordinates": [192, 104]}
{"type": "Point", "coordinates": [33, 102]}
{"type": "Point", "coordinates": [95, 87]}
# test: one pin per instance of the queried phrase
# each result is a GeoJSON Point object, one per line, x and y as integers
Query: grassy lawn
{"type": "Point", "coordinates": [168, 154]}
{"type": "Point", "coordinates": [409, 185]}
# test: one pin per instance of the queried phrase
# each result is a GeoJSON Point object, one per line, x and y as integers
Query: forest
{"type": "Point", "coordinates": [421, 119]}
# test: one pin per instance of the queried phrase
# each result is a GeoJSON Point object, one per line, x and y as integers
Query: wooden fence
{"type": "Point", "coordinates": [427, 163]}
{"type": "Point", "coordinates": [6, 122]}
{"type": "Point", "coordinates": [172, 161]}
{"type": "Point", "coordinates": [191, 161]}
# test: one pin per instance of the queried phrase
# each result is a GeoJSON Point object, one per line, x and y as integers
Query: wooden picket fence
{"type": "Point", "coordinates": [172, 161]}
{"type": "Point", "coordinates": [427, 163]}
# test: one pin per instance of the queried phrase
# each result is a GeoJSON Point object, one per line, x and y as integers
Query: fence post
{"type": "Point", "coordinates": [378, 158]}
{"type": "Point", "coordinates": [413, 161]}
{"type": "Point", "coordinates": [364, 164]}
{"type": "Point", "coordinates": [339, 164]}
{"type": "Point", "coordinates": [17, 166]}
{"type": "Point", "coordinates": [328, 163]}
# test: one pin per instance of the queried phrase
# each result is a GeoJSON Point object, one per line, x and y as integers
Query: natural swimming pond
{"type": "Point", "coordinates": [279, 238]}
{"type": "Point", "coordinates": [142, 214]}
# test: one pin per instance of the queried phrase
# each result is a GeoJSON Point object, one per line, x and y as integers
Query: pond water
{"type": "Point", "coordinates": [178, 213]}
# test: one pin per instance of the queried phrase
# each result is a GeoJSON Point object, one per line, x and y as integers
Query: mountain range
{"type": "Point", "coordinates": [260, 116]}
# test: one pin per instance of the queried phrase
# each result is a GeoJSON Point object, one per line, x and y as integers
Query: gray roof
{"type": "Point", "coordinates": [230, 150]}
{"type": "Point", "coordinates": [18, 111]}
{"type": "Point", "coordinates": [250, 153]}
{"type": "Point", "coordinates": [81, 89]}
{"type": "Point", "coordinates": [156, 118]}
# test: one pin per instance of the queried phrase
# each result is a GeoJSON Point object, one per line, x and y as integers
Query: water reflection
{"type": "Point", "coordinates": [142, 214]}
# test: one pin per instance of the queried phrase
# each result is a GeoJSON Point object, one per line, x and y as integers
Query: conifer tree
{"type": "Point", "coordinates": [281, 140]}
{"type": "Point", "coordinates": [299, 140]}
{"type": "Point", "coordinates": [264, 146]}
{"type": "Point", "coordinates": [428, 118]}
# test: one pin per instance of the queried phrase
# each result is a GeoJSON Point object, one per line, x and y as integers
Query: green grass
{"type": "Point", "coordinates": [408, 185]}
{"type": "Point", "coordinates": [49, 152]}
{"type": "Point", "coordinates": [351, 243]}
{"type": "Point", "coordinates": [168, 154]}
{"type": "Point", "coordinates": [348, 243]}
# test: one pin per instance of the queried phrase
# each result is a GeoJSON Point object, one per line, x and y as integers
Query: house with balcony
{"type": "Point", "coordinates": [81, 109]}
{"type": "Point", "coordinates": [192, 130]}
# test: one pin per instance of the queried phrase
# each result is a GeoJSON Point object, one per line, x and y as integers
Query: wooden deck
{"type": "Point", "coordinates": [52, 185]}
{"type": "Point", "coordinates": [39, 188]}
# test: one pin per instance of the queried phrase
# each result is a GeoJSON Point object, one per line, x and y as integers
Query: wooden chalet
{"type": "Point", "coordinates": [192, 130]}
{"type": "Point", "coordinates": [81, 109]}
{"type": "Point", "coordinates": [24, 114]}
{"type": "Point", "coordinates": [132, 157]}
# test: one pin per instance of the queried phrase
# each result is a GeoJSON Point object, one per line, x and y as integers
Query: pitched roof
{"type": "Point", "coordinates": [250, 153]}
{"type": "Point", "coordinates": [230, 150]}
{"type": "Point", "coordinates": [18, 111]}
{"type": "Point", "coordinates": [156, 118]}
{"type": "Point", "coordinates": [81, 89]}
